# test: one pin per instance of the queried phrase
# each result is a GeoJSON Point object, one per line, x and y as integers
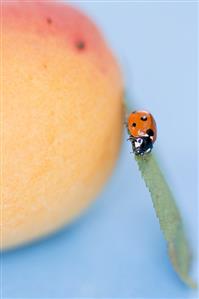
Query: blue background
{"type": "Point", "coordinates": [116, 248]}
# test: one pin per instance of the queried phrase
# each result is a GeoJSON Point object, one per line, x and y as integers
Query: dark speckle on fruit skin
{"type": "Point", "coordinates": [80, 45]}
{"type": "Point", "coordinates": [49, 20]}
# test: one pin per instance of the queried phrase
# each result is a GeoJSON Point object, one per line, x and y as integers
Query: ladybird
{"type": "Point", "coordinates": [143, 132]}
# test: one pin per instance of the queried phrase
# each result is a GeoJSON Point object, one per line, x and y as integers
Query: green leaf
{"type": "Point", "coordinates": [168, 215]}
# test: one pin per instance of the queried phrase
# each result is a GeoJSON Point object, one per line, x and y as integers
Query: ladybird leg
{"type": "Point", "coordinates": [131, 138]}
{"type": "Point", "coordinates": [148, 150]}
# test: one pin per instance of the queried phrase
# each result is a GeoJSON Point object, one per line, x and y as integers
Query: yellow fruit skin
{"type": "Point", "coordinates": [61, 130]}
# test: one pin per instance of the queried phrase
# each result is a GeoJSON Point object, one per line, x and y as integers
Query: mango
{"type": "Point", "coordinates": [61, 117]}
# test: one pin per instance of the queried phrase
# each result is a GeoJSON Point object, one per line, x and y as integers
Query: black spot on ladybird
{"type": "Point", "coordinates": [133, 124]}
{"type": "Point", "coordinates": [144, 118]}
{"type": "Point", "coordinates": [80, 45]}
{"type": "Point", "coordinates": [150, 132]}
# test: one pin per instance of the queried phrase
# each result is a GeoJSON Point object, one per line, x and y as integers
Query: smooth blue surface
{"type": "Point", "coordinates": [116, 249]}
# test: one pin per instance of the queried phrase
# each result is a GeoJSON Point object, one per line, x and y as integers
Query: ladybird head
{"type": "Point", "coordinates": [142, 145]}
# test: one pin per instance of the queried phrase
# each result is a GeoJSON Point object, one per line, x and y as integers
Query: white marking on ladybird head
{"type": "Point", "coordinates": [138, 142]}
